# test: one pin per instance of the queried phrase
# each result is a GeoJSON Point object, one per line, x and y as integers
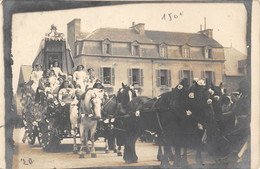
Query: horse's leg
{"type": "Point", "coordinates": [184, 158]}
{"type": "Point", "coordinates": [198, 155]}
{"type": "Point", "coordinates": [166, 156]}
{"type": "Point", "coordinates": [133, 156]}
{"type": "Point", "coordinates": [92, 137]}
{"type": "Point", "coordinates": [82, 140]}
{"type": "Point", "coordinates": [177, 156]}
{"type": "Point", "coordinates": [159, 154]}
{"type": "Point", "coordinates": [86, 141]}
{"type": "Point", "coordinates": [24, 136]}
{"type": "Point", "coordinates": [74, 133]}
{"type": "Point", "coordinates": [106, 145]}
{"type": "Point", "coordinates": [40, 143]}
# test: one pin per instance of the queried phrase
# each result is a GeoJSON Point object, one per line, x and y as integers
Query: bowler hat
{"type": "Point", "coordinates": [79, 66]}
{"type": "Point", "coordinates": [90, 69]}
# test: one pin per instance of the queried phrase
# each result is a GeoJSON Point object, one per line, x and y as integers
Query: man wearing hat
{"type": "Point", "coordinates": [80, 76]}
{"type": "Point", "coordinates": [91, 79]}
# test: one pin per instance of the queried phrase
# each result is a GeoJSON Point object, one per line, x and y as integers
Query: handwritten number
{"type": "Point", "coordinates": [25, 162]}
{"type": "Point", "coordinates": [170, 16]}
{"type": "Point", "coordinates": [30, 161]}
{"type": "Point", "coordinates": [164, 17]}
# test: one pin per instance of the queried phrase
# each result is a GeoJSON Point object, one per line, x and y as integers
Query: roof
{"type": "Point", "coordinates": [170, 38]}
{"type": "Point", "coordinates": [25, 73]}
{"type": "Point", "coordinates": [233, 57]}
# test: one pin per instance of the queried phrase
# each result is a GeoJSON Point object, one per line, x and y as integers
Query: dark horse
{"type": "Point", "coordinates": [174, 116]}
{"type": "Point", "coordinates": [114, 109]}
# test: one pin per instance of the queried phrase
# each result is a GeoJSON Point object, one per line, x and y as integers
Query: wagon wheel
{"type": "Point", "coordinates": [50, 137]}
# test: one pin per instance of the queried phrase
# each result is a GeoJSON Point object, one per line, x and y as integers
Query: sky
{"type": "Point", "coordinates": [227, 20]}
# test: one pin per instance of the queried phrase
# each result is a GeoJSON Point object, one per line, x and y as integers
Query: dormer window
{"type": "Point", "coordinates": [106, 46]}
{"type": "Point", "coordinates": [135, 48]}
{"type": "Point", "coordinates": [163, 50]}
{"type": "Point", "coordinates": [208, 52]}
{"type": "Point", "coordinates": [185, 51]}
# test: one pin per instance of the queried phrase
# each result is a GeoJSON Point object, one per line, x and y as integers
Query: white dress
{"type": "Point", "coordinates": [35, 77]}
{"type": "Point", "coordinates": [57, 71]}
{"type": "Point", "coordinates": [91, 80]}
{"type": "Point", "coordinates": [80, 78]}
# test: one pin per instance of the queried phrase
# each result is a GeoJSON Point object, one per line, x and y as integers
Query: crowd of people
{"type": "Point", "coordinates": [55, 83]}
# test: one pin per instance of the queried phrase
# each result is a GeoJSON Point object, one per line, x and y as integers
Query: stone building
{"type": "Point", "coordinates": [235, 69]}
{"type": "Point", "coordinates": [154, 61]}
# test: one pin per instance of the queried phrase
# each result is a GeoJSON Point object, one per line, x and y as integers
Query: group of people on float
{"type": "Point", "coordinates": [55, 83]}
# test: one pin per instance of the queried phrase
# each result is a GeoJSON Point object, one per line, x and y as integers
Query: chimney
{"type": "Point", "coordinates": [73, 31]}
{"type": "Point", "coordinates": [139, 28]}
{"type": "Point", "coordinates": [208, 33]}
{"type": "Point", "coordinates": [200, 27]}
{"type": "Point", "coordinates": [205, 24]}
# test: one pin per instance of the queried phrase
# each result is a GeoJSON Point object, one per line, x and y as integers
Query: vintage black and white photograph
{"type": "Point", "coordinates": [138, 85]}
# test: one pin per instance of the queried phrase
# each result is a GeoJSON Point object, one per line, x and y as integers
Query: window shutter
{"type": "Point", "coordinates": [169, 78]}
{"type": "Point", "coordinates": [101, 74]}
{"type": "Point", "coordinates": [203, 75]}
{"type": "Point", "coordinates": [129, 72]}
{"type": "Point", "coordinates": [191, 77]}
{"type": "Point", "coordinates": [158, 78]}
{"type": "Point", "coordinates": [141, 77]}
{"type": "Point", "coordinates": [112, 76]}
{"type": "Point", "coordinates": [180, 75]}
{"type": "Point", "coordinates": [213, 78]}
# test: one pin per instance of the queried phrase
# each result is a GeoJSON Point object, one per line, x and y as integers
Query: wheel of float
{"type": "Point", "coordinates": [50, 138]}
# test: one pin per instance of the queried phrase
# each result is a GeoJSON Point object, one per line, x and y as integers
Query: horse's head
{"type": "Point", "coordinates": [96, 101]}
{"type": "Point", "coordinates": [125, 95]}
{"type": "Point", "coordinates": [201, 107]}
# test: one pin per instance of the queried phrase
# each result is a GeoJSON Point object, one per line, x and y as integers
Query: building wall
{"type": "Point", "coordinates": [123, 49]}
{"type": "Point", "coordinates": [149, 66]}
{"type": "Point", "coordinates": [231, 83]}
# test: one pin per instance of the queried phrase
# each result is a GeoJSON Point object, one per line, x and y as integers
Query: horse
{"type": "Point", "coordinates": [90, 113]}
{"type": "Point", "coordinates": [114, 111]}
{"type": "Point", "coordinates": [166, 115]}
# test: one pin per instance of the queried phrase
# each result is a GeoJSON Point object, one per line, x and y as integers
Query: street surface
{"type": "Point", "coordinates": [32, 156]}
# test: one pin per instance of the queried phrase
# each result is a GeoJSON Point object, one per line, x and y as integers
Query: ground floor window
{"type": "Point", "coordinates": [135, 76]}
{"type": "Point", "coordinates": [163, 77]}
{"type": "Point", "coordinates": [209, 77]}
{"type": "Point", "coordinates": [186, 74]}
{"type": "Point", "coordinates": [107, 75]}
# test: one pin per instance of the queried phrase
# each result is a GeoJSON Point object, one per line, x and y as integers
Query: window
{"type": "Point", "coordinates": [107, 75]}
{"type": "Point", "coordinates": [209, 76]}
{"type": "Point", "coordinates": [188, 74]}
{"type": "Point", "coordinates": [186, 54]}
{"type": "Point", "coordinates": [135, 48]}
{"type": "Point", "coordinates": [106, 45]}
{"type": "Point", "coordinates": [135, 76]}
{"type": "Point", "coordinates": [135, 51]}
{"type": "Point", "coordinates": [208, 53]}
{"type": "Point", "coordinates": [163, 50]}
{"type": "Point", "coordinates": [163, 77]}
{"type": "Point", "coordinates": [106, 48]}
{"type": "Point", "coordinates": [185, 51]}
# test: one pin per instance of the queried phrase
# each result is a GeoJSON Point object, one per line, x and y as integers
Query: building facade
{"type": "Point", "coordinates": [235, 69]}
{"type": "Point", "coordinates": [154, 61]}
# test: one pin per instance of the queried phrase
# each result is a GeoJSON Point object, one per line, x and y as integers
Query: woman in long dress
{"type": "Point", "coordinates": [80, 76]}
{"type": "Point", "coordinates": [57, 70]}
{"type": "Point", "coordinates": [91, 79]}
{"type": "Point", "coordinates": [36, 75]}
